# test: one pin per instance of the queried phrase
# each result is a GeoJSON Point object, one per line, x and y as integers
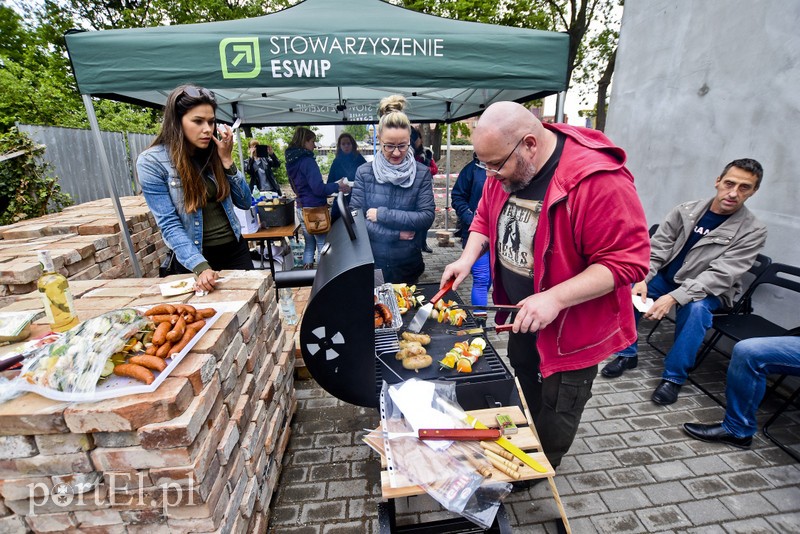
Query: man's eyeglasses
{"type": "Point", "coordinates": [391, 148]}
{"type": "Point", "coordinates": [489, 170]}
{"type": "Point", "coordinates": [197, 92]}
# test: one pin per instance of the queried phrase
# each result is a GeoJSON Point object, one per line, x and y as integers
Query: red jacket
{"type": "Point", "coordinates": [591, 214]}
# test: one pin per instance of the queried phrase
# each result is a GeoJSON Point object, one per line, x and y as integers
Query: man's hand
{"type": "Point", "coordinates": [407, 235]}
{"type": "Point", "coordinates": [459, 270]}
{"type": "Point", "coordinates": [344, 188]}
{"type": "Point", "coordinates": [640, 288]}
{"type": "Point", "coordinates": [538, 311]}
{"type": "Point", "coordinates": [270, 151]}
{"type": "Point", "coordinates": [661, 307]}
{"type": "Point", "coordinates": [372, 215]}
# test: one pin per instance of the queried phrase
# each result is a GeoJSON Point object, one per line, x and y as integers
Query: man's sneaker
{"type": "Point", "coordinates": [426, 248]}
{"type": "Point", "coordinates": [619, 365]}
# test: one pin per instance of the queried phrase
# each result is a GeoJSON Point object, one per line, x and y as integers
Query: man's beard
{"type": "Point", "coordinates": [522, 176]}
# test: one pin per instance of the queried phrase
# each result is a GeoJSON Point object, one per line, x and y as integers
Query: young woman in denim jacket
{"type": "Point", "coordinates": [190, 183]}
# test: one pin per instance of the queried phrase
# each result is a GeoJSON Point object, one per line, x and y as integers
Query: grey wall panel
{"type": "Point", "coordinates": [137, 143]}
{"type": "Point", "coordinates": [699, 83]}
{"type": "Point", "coordinates": [75, 161]}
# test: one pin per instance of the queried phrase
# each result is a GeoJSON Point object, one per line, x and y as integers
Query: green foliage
{"type": "Point", "coordinates": [27, 189]}
{"type": "Point", "coordinates": [360, 132]}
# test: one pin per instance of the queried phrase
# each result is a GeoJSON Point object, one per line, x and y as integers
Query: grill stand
{"type": "Point", "coordinates": [387, 508]}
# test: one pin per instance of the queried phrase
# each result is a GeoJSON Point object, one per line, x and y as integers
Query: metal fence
{"type": "Point", "coordinates": [74, 159]}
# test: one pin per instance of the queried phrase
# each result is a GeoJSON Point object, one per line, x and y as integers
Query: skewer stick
{"type": "Point", "coordinates": [497, 458]}
{"type": "Point", "coordinates": [500, 451]}
{"type": "Point", "coordinates": [503, 469]}
{"type": "Point", "coordinates": [459, 450]}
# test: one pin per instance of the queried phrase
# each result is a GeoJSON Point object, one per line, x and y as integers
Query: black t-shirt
{"type": "Point", "coordinates": [516, 227]}
{"type": "Point", "coordinates": [709, 221]}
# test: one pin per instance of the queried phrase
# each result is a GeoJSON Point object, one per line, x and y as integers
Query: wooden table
{"type": "Point", "coordinates": [269, 235]}
{"type": "Point", "coordinates": [526, 439]}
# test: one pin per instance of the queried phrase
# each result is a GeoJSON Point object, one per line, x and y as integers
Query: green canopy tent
{"type": "Point", "coordinates": [322, 62]}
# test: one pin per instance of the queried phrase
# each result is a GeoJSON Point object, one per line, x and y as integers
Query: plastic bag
{"type": "Point", "coordinates": [73, 363]}
{"type": "Point", "coordinates": [445, 470]}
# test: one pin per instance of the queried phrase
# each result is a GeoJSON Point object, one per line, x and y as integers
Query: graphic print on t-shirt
{"type": "Point", "coordinates": [516, 227]}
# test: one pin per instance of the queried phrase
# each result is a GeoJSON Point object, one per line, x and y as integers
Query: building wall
{"type": "Point", "coordinates": [699, 83]}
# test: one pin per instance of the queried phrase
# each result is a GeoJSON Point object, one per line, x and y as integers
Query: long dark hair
{"type": "Point", "coordinates": [182, 99]}
{"type": "Point", "coordinates": [345, 135]}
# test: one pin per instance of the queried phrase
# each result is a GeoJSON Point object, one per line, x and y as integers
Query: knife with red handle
{"type": "Point", "coordinates": [460, 434]}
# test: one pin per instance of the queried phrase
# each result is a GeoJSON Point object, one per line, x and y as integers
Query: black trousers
{"type": "Point", "coordinates": [230, 256]}
{"type": "Point", "coordinates": [556, 402]}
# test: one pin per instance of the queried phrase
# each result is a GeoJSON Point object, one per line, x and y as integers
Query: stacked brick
{"type": "Point", "coordinates": [200, 454]}
{"type": "Point", "coordinates": [85, 241]}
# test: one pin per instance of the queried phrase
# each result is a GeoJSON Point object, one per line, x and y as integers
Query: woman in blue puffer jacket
{"type": "Point", "coordinates": [396, 194]}
{"type": "Point", "coordinates": [306, 181]}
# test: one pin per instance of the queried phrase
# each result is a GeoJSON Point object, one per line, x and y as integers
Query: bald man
{"type": "Point", "coordinates": [567, 236]}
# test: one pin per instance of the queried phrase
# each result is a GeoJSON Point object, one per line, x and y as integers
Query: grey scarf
{"type": "Point", "coordinates": [401, 175]}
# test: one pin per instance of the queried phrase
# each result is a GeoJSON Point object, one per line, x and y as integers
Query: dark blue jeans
{"type": "Point", "coordinates": [691, 323]}
{"type": "Point", "coordinates": [752, 360]}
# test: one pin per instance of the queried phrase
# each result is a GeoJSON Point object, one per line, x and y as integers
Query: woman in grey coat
{"type": "Point", "coordinates": [396, 194]}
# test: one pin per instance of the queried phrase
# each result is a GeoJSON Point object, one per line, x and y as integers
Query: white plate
{"type": "Point", "coordinates": [178, 287]}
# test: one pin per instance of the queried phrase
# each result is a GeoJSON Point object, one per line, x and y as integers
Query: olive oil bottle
{"type": "Point", "coordinates": [56, 296]}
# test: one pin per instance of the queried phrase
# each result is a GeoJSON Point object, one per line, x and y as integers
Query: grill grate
{"type": "Point", "coordinates": [488, 367]}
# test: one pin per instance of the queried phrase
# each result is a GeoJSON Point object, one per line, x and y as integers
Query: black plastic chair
{"type": "Point", "coordinates": [759, 266]}
{"type": "Point", "coordinates": [739, 325]}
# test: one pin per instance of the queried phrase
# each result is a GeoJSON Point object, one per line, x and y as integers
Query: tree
{"type": "Point", "coordinates": [360, 132]}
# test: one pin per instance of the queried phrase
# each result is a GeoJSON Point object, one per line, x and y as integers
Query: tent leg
{"type": "Point", "coordinates": [560, 98]}
{"type": "Point", "coordinates": [447, 183]}
{"type": "Point", "coordinates": [239, 144]}
{"type": "Point", "coordinates": [98, 141]}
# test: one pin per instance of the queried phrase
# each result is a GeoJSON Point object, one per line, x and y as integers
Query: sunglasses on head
{"type": "Point", "coordinates": [197, 92]}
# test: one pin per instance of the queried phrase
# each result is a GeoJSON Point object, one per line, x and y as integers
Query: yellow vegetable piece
{"type": "Point", "coordinates": [464, 366]}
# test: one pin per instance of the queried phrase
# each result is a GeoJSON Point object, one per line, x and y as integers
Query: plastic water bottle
{"type": "Point", "coordinates": [256, 193]}
{"type": "Point", "coordinates": [287, 305]}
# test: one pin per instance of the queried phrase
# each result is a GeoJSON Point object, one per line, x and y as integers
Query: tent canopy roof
{"type": "Point", "coordinates": [324, 62]}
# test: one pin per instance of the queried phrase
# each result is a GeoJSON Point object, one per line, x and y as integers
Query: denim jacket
{"type": "Point", "coordinates": [163, 192]}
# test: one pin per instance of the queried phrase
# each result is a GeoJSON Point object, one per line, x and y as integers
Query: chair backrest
{"type": "Point", "coordinates": [778, 275]}
{"type": "Point", "coordinates": [753, 273]}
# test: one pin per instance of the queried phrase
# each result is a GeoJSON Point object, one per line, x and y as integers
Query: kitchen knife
{"type": "Point", "coordinates": [510, 447]}
{"type": "Point", "coordinates": [448, 434]}
{"type": "Point", "coordinates": [478, 330]}
{"type": "Point", "coordinates": [425, 311]}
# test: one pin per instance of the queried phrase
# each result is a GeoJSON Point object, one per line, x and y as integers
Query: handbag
{"type": "Point", "coordinates": [317, 219]}
{"type": "Point", "coordinates": [171, 266]}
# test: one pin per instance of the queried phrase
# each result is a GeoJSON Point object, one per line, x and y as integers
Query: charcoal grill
{"type": "Point", "coordinates": [350, 359]}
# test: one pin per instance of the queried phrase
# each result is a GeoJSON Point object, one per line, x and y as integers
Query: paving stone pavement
{"type": "Point", "coordinates": [630, 469]}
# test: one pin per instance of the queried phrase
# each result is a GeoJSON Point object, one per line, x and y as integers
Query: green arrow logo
{"type": "Point", "coordinates": [240, 57]}
{"type": "Point", "coordinates": [244, 52]}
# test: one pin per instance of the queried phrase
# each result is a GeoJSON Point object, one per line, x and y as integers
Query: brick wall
{"type": "Point", "coordinates": [85, 241]}
{"type": "Point", "coordinates": [202, 453]}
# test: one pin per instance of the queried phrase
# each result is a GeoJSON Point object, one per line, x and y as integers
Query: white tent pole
{"type": "Point", "coordinates": [560, 98]}
{"type": "Point", "coordinates": [98, 141]}
{"type": "Point", "coordinates": [447, 181]}
{"type": "Point", "coordinates": [241, 154]}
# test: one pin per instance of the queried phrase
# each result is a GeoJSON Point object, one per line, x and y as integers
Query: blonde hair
{"type": "Point", "coordinates": [390, 110]}
{"type": "Point", "coordinates": [252, 143]}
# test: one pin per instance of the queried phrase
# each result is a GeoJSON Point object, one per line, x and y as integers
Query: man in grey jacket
{"type": "Point", "coordinates": [697, 259]}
